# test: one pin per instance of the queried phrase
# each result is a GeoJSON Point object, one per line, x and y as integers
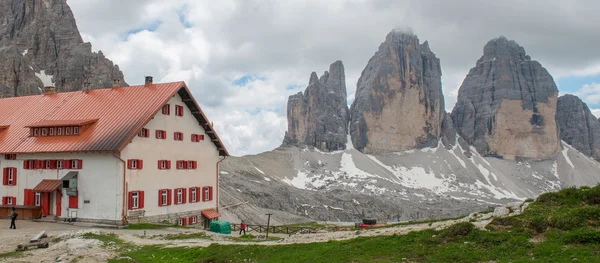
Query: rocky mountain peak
{"type": "Point", "coordinates": [319, 117]}
{"type": "Point", "coordinates": [399, 103]}
{"type": "Point", "coordinates": [39, 41]}
{"type": "Point", "coordinates": [507, 104]}
{"type": "Point", "coordinates": [578, 126]}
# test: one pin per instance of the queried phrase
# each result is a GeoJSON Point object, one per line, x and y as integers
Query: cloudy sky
{"type": "Point", "coordinates": [243, 58]}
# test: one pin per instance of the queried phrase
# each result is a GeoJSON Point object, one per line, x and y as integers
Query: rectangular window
{"type": "Point", "coordinates": [75, 130]}
{"type": "Point", "coordinates": [51, 131]}
{"type": "Point", "coordinates": [76, 164]}
{"type": "Point", "coordinates": [144, 133]}
{"type": "Point", "coordinates": [47, 164]}
{"type": "Point", "coordinates": [9, 201]}
{"type": "Point", "coordinates": [193, 220]}
{"type": "Point", "coordinates": [178, 110]}
{"type": "Point", "coordinates": [67, 130]}
{"type": "Point", "coordinates": [44, 131]}
{"type": "Point", "coordinates": [11, 176]}
{"type": "Point", "coordinates": [206, 194]}
{"type": "Point", "coordinates": [193, 194]}
{"type": "Point", "coordinates": [191, 164]}
{"type": "Point", "coordinates": [180, 164]}
{"type": "Point", "coordinates": [164, 164]}
{"type": "Point", "coordinates": [164, 197]}
{"type": "Point", "coordinates": [179, 195]}
{"type": "Point", "coordinates": [36, 132]}
{"type": "Point", "coordinates": [178, 136]}
{"type": "Point", "coordinates": [201, 137]}
{"type": "Point", "coordinates": [135, 164]}
{"type": "Point", "coordinates": [166, 109]}
{"type": "Point", "coordinates": [135, 200]}
{"type": "Point", "coordinates": [160, 134]}
{"type": "Point", "coordinates": [59, 131]}
{"type": "Point", "coordinates": [38, 199]}
{"type": "Point", "coordinates": [59, 164]}
{"type": "Point", "coordinates": [10, 156]}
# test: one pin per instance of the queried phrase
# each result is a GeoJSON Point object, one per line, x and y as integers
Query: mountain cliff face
{"type": "Point", "coordinates": [319, 117]}
{"type": "Point", "coordinates": [578, 126]}
{"type": "Point", "coordinates": [399, 103]}
{"type": "Point", "coordinates": [507, 105]}
{"type": "Point", "coordinates": [40, 44]}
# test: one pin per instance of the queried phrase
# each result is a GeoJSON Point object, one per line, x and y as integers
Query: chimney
{"type": "Point", "coordinates": [148, 80]}
{"type": "Point", "coordinates": [48, 90]}
{"type": "Point", "coordinates": [116, 83]}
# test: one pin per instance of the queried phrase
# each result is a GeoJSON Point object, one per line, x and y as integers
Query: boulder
{"type": "Point", "coordinates": [40, 45]}
{"type": "Point", "coordinates": [501, 211]}
{"type": "Point", "coordinates": [578, 126]}
{"type": "Point", "coordinates": [399, 103]}
{"type": "Point", "coordinates": [507, 105]}
{"type": "Point", "coordinates": [319, 117]}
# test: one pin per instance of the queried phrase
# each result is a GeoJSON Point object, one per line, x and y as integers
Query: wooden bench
{"type": "Point", "coordinates": [40, 241]}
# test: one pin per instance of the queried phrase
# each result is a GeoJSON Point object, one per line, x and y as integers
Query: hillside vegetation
{"type": "Point", "coordinates": [557, 227]}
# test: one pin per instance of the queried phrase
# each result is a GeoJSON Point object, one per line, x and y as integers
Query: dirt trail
{"type": "Point", "coordinates": [73, 247]}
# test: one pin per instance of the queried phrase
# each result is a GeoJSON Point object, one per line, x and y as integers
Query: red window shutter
{"type": "Point", "coordinates": [169, 197]}
{"type": "Point", "coordinates": [194, 164]}
{"type": "Point", "coordinates": [210, 193]}
{"type": "Point", "coordinates": [5, 176]}
{"type": "Point", "coordinates": [14, 171]}
{"type": "Point", "coordinates": [39, 164]}
{"type": "Point", "coordinates": [160, 203]}
{"type": "Point", "coordinates": [26, 164]}
{"type": "Point", "coordinates": [130, 203]}
{"type": "Point", "coordinates": [53, 164]}
{"type": "Point", "coordinates": [3, 200]}
{"type": "Point", "coordinates": [79, 164]}
{"type": "Point", "coordinates": [184, 221]}
{"type": "Point", "coordinates": [26, 196]}
{"type": "Point", "coordinates": [184, 196]}
{"type": "Point", "coordinates": [6, 157]}
{"type": "Point", "coordinates": [185, 164]}
{"type": "Point", "coordinates": [129, 163]}
{"type": "Point", "coordinates": [190, 193]}
{"type": "Point", "coordinates": [141, 200]}
{"type": "Point", "coordinates": [175, 196]}
{"type": "Point", "coordinates": [168, 164]}
{"type": "Point", "coordinates": [198, 194]}
{"type": "Point", "coordinates": [140, 164]}
{"type": "Point", "coordinates": [67, 164]}
{"type": "Point", "coordinates": [203, 195]}
{"type": "Point", "coordinates": [201, 137]}
{"type": "Point", "coordinates": [193, 137]}
{"type": "Point", "coordinates": [159, 164]}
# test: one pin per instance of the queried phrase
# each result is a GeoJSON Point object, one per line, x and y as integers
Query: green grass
{"type": "Point", "coordinates": [12, 254]}
{"type": "Point", "coordinates": [197, 235]}
{"type": "Point", "coordinates": [144, 226]}
{"type": "Point", "coordinates": [567, 222]}
{"type": "Point", "coordinates": [252, 238]}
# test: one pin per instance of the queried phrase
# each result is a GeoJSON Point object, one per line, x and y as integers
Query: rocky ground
{"type": "Point", "coordinates": [70, 243]}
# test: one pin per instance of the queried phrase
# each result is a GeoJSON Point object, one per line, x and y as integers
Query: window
{"type": "Point", "coordinates": [181, 222]}
{"type": "Point", "coordinates": [178, 110]}
{"type": "Point", "coordinates": [10, 176]}
{"type": "Point", "coordinates": [36, 132]}
{"type": "Point", "coordinates": [192, 165]}
{"type": "Point", "coordinates": [44, 131]}
{"type": "Point", "coordinates": [136, 200]}
{"type": "Point", "coordinates": [160, 134]}
{"type": "Point", "coordinates": [164, 164]}
{"type": "Point", "coordinates": [76, 164]}
{"type": "Point", "coordinates": [59, 164]}
{"type": "Point", "coordinates": [29, 164]}
{"type": "Point", "coordinates": [181, 164]}
{"type": "Point", "coordinates": [9, 200]}
{"type": "Point", "coordinates": [193, 194]}
{"type": "Point", "coordinates": [144, 133]}
{"type": "Point", "coordinates": [51, 131]}
{"type": "Point", "coordinates": [10, 156]}
{"type": "Point", "coordinates": [59, 131]}
{"type": "Point", "coordinates": [197, 137]}
{"type": "Point", "coordinates": [164, 197]}
{"type": "Point", "coordinates": [47, 164]}
{"type": "Point", "coordinates": [38, 199]}
{"type": "Point", "coordinates": [75, 130]}
{"type": "Point", "coordinates": [206, 193]}
{"type": "Point", "coordinates": [166, 109]}
{"type": "Point", "coordinates": [67, 130]}
{"type": "Point", "coordinates": [179, 196]}
{"type": "Point", "coordinates": [135, 164]}
{"type": "Point", "coordinates": [178, 136]}
{"type": "Point", "coordinates": [193, 220]}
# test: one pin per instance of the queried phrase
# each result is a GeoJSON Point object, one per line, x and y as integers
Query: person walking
{"type": "Point", "coordinates": [13, 217]}
{"type": "Point", "coordinates": [242, 228]}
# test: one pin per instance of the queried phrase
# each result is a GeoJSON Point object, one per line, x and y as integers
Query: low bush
{"type": "Point", "coordinates": [582, 236]}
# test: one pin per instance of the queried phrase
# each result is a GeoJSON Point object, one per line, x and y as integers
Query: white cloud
{"type": "Point", "coordinates": [284, 41]}
{"type": "Point", "coordinates": [590, 93]}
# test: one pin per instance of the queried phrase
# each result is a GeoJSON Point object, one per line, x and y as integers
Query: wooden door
{"type": "Point", "coordinates": [58, 203]}
{"type": "Point", "coordinates": [45, 203]}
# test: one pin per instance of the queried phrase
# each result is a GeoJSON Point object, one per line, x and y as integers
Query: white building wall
{"type": "Point", "coordinates": [150, 179]}
{"type": "Point", "coordinates": [99, 182]}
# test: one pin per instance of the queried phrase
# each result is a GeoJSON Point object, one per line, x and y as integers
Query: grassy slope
{"type": "Point", "coordinates": [558, 227]}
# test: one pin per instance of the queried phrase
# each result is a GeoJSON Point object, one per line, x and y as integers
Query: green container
{"type": "Point", "coordinates": [220, 226]}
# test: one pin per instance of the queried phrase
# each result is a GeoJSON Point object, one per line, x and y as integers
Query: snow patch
{"type": "Point", "coordinates": [223, 172]}
{"type": "Point", "coordinates": [259, 170]}
{"type": "Point", "coordinates": [299, 181]}
{"type": "Point", "coordinates": [46, 79]}
{"type": "Point", "coordinates": [566, 154]}
{"type": "Point", "coordinates": [267, 179]}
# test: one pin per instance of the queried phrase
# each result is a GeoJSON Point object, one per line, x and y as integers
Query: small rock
{"type": "Point", "coordinates": [501, 211]}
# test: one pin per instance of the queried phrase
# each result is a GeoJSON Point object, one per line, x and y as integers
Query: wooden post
{"type": "Point", "coordinates": [268, 221]}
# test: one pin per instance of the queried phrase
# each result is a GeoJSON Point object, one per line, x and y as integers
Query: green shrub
{"type": "Point", "coordinates": [566, 221]}
{"type": "Point", "coordinates": [592, 196]}
{"type": "Point", "coordinates": [582, 235]}
{"type": "Point", "coordinates": [457, 230]}
{"type": "Point", "coordinates": [538, 223]}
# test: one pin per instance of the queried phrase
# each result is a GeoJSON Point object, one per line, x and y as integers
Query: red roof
{"type": "Point", "coordinates": [117, 115]}
{"type": "Point", "coordinates": [210, 213]}
{"type": "Point", "coordinates": [47, 185]}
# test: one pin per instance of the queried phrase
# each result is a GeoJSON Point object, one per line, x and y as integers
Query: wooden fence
{"type": "Point", "coordinates": [274, 229]}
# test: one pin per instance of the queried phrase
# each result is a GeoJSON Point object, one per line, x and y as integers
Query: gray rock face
{"type": "Point", "coordinates": [507, 104]}
{"type": "Point", "coordinates": [578, 126]}
{"type": "Point", "coordinates": [319, 117]}
{"type": "Point", "coordinates": [399, 103]}
{"type": "Point", "coordinates": [41, 35]}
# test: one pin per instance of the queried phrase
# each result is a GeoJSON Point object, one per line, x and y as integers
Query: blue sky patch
{"type": "Point", "coordinates": [573, 83]}
{"type": "Point", "coordinates": [152, 26]}
{"type": "Point", "coordinates": [245, 79]}
{"type": "Point", "coordinates": [183, 18]}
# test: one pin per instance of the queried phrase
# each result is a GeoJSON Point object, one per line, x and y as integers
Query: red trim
{"type": "Point", "coordinates": [178, 110]}
{"type": "Point", "coordinates": [166, 109]}
{"type": "Point", "coordinates": [73, 201]}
